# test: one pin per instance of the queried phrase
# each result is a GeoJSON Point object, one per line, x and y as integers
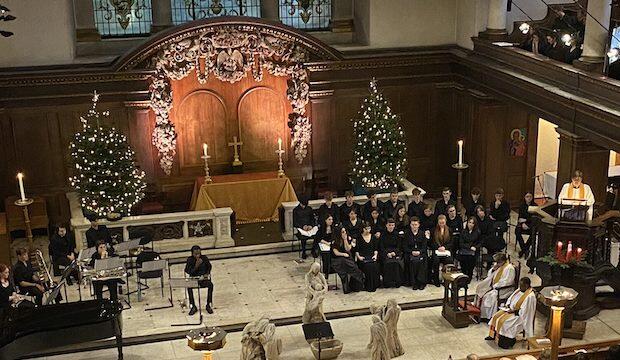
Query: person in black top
{"type": "Point", "coordinates": [416, 207]}
{"type": "Point", "coordinates": [428, 219]}
{"type": "Point", "coordinates": [376, 223]}
{"type": "Point", "coordinates": [474, 199]}
{"type": "Point", "coordinates": [391, 255]}
{"type": "Point", "coordinates": [198, 265]}
{"type": "Point", "coordinates": [8, 296]}
{"type": "Point", "coordinates": [524, 224]}
{"type": "Point", "coordinates": [500, 213]}
{"type": "Point", "coordinates": [391, 205]}
{"type": "Point", "coordinates": [353, 224]}
{"type": "Point", "coordinates": [329, 208]}
{"type": "Point", "coordinates": [441, 241]}
{"type": "Point", "coordinates": [401, 218]}
{"type": "Point", "coordinates": [488, 239]}
{"type": "Point", "coordinates": [367, 256]}
{"type": "Point", "coordinates": [325, 236]}
{"type": "Point", "coordinates": [26, 279]}
{"type": "Point", "coordinates": [349, 204]}
{"type": "Point", "coordinates": [455, 223]}
{"type": "Point", "coordinates": [415, 246]}
{"type": "Point", "coordinates": [112, 284]}
{"type": "Point", "coordinates": [370, 205]}
{"type": "Point", "coordinates": [62, 250]}
{"type": "Point", "coordinates": [441, 206]}
{"type": "Point", "coordinates": [98, 233]}
{"type": "Point", "coordinates": [469, 246]}
{"type": "Point", "coordinates": [303, 219]}
{"type": "Point", "coordinates": [343, 250]}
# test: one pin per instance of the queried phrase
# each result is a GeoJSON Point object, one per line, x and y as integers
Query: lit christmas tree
{"type": "Point", "coordinates": [379, 155]}
{"type": "Point", "coordinates": [105, 173]}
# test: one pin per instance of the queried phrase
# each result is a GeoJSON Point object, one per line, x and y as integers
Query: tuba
{"type": "Point", "coordinates": [40, 267]}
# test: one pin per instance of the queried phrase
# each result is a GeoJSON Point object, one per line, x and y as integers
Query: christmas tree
{"type": "Point", "coordinates": [379, 155]}
{"type": "Point", "coordinates": [105, 173]}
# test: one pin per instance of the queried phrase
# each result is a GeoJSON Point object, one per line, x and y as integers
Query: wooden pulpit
{"type": "Point", "coordinates": [453, 282]}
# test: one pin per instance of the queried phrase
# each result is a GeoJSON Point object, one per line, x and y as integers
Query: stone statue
{"type": "Point", "coordinates": [259, 341]}
{"type": "Point", "coordinates": [391, 314]}
{"type": "Point", "coordinates": [316, 287]}
{"type": "Point", "coordinates": [378, 340]}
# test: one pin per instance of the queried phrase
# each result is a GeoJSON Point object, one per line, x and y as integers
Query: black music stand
{"type": "Point", "coordinates": [318, 331]}
{"type": "Point", "coordinates": [188, 283]}
{"type": "Point", "coordinates": [158, 265]}
{"type": "Point", "coordinates": [84, 256]}
{"type": "Point", "coordinates": [127, 247]}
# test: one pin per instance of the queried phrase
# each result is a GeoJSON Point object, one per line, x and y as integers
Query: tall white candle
{"type": "Point", "coordinates": [20, 179]}
{"type": "Point", "coordinates": [280, 144]}
{"type": "Point", "coordinates": [460, 142]}
{"type": "Point", "coordinates": [204, 149]}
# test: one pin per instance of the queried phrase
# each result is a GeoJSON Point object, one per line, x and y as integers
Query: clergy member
{"type": "Point", "coordinates": [515, 316]}
{"type": "Point", "coordinates": [576, 193]}
{"type": "Point", "coordinates": [502, 274]}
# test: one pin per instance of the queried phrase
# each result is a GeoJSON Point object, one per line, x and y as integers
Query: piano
{"type": "Point", "coordinates": [26, 332]}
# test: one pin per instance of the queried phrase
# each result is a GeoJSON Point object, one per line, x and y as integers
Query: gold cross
{"type": "Point", "coordinates": [236, 145]}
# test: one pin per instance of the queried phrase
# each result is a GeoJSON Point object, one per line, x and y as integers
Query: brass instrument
{"type": "Point", "coordinates": [101, 275]}
{"type": "Point", "coordinates": [40, 267]}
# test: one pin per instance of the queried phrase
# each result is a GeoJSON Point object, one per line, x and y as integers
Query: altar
{"type": "Point", "coordinates": [255, 197]}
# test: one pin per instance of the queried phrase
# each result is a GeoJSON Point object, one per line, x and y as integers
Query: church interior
{"type": "Point", "coordinates": [310, 179]}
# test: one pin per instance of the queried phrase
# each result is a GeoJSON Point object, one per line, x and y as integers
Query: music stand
{"type": "Point", "coordinates": [54, 293]}
{"type": "Point", "coordinates": [318, 331]}
{"type": "Point", "coordinates": [127, 246]}
{"type": "Point", "coordinates": [158, 265]}
{"type": "Point", "coordinates": [188, 283]}
{"type": "Point", "coordinates": [84, 256]}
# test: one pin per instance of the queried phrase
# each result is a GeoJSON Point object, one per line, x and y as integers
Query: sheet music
{"type": "Point", "coordinates": [86, 254]}
{"type": "Point", "coordinates": [109, 263]}
{"type": "Point", "coordinates": [154, 265]}
{"type": "Point", "coordinates": [310, 232]}
{"type": "Point", "coordinates": [324, 247]}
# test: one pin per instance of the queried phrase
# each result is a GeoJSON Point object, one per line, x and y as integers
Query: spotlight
{"type": "Point", "coordinates": [525, 28]}
{"type": "Point", "coordinates": [613, 53]}
{"type": "Point", "coordinates": [567, 39]}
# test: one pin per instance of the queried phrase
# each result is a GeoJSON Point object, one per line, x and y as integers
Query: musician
{"type": "Point", "coordinates": [198, 265]}
{"type": "Point", "coordinates": [25, 277]}
{"type": "Point", "coordinates": [8, 296]}
{"type": "Point", "coordinates": [112, 284]}
{"type": "Point", "coordinates": [98, 233]}
{"type": "Point", "coordinates": [576, 193]}
{"type": "Point", "coordinates": [62, 250]}
{"type": "Point", "coordinates": [502, 274]}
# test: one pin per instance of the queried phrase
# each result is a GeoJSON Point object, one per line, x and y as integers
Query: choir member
{"type": "Point", "coordinates": [329, 208]}
{"type": "Point", "coordinates": [488, 239]}
{"type": "Point", "coordinates": [348, 205]}
{"type": "Point", "coordinates": [112, 284]}
{"type": "Point", "coordinates": [324, 237]}
{"type": "Point", "coordinates": [524, 224]}
{"type": "Point", "coordinates": [455, 223]}
{"type": "Point", "coordinates": [428, 219]}
{"type": "Point", "coordinates": [305, 224]}
{"type": "Point", "coordinates": [516, 316]}
{"type": "Point", "coordinates": [474, 199]}
{"type": "Point", "coordinates": [401, 218]}
{"type": "Point", "coordinates": [367, 255]}
{"type": "Point", "coordinates": [343, 248]}
{"type": "Point", "coordinates": [353, 224]}
{"type": "Point", "coordinates": [25, 277]}
{"type": "Point", "coordinates": [198, 265]}
{"type": "Point", "coordinates": [469, 246]}
{"type": "Point", "coordinates": [441, 244]}
{"type": "Point", "coordinates": [390, 206]}
{"type": "Point", "coordinates": [416, 206]}
{"type": "Point", "coordinates": [554, 49]}
{"type": "Point", "coordinates": [8, 295]}
{"type": "Point", "coordinates": [372, 204]}
{"type": "Point", "coordinates": [500, 213]}
{"type": "Point", "coordinates": [377, 223]}
{"type": "Point", "coordinates": [416, 253]}
{"type": "Point", "coordinates": [98, 232]}
{"type": "Point", "coordinates": [62, 250]}
{"type": "Point", "coordinates": [441, 206]}
{"type": "Point", "coordinates": [576, 193]}
{"type": "Point", "coordinates": [502, 274]}
{"type": "Point", "coordinates": [391, 252]}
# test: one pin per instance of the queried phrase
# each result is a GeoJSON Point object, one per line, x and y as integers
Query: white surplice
{"type": "Point", "coordinates": [486, 296]}
{"type": "Point", "coordinates": [567, 197]}
{"type": "Point", "coordinates": [524, 320]}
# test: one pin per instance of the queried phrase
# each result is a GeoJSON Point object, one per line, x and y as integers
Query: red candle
{"type": "Point", "coordinates": [579, 254]}
{"type": "Point", "coordinates": [569, 251]}
{"type": "Point", "coordinates": [558, 250]}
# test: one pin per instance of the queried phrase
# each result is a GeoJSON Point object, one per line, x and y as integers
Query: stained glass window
{"type": "Point", "coordinates": [306, 14]}
{"type": "Point", "coordinates": [122, 18]}
{"type": "Point", "coordinates": [189, 10]}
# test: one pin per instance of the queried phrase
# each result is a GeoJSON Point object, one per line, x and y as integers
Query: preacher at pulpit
{"type": "Point", "coordinates": [576, 193]}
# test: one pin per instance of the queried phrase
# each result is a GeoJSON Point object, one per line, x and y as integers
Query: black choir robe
{"type": "Point", "coordinates": [369, 266]}
{"type": "Point", "coordinates": [470, 205]}
{"type": "Point", "coordinates": [389, 208]}
{"type": "Point", "coordinates": [416, 265]}
{"type": "Point", "coordinates": [441, 207]}
{"type": "Point", "coordinates": [415, 209]}
{"type": "Point", "coordinates": [332, 210]}
{"type": "Point", "coordinates": [456, 226]}
{"type": "Point", "coordinates": [428, 222]}
{"type": "Point", "coordinates": [500, 213]}
{"type": "Point", "coordinates": [346, 209]}
{"type": "Point", "coordinates": [354, 230]}
{"type": "Point", "coordinates": [368, 208]}
{"type": "Point", "coordinates": [392, 267]}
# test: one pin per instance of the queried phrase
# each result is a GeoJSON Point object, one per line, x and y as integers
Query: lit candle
{"type": "Point", "coordinates": [558, 250]}
{"type": "Point", "coordinates": [20, 179]}
{"type": "Point", "coordinates": [578, 258]}
{"type": "Point", "coordinates": [460, 142]}
{"type": "Point", "coordinates": [204, 149]}
{"type": "Point", "coordinates": [280, 144]}
{"type": "Point", "coordinates": [569, 251]}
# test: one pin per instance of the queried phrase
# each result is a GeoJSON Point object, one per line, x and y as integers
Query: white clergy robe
{"type": "Point", "coordinates": [569, 196]}
{"type": "Point", "coordinates": [486, 295]}
{"type": "Point", "coordinates": [509, 325]}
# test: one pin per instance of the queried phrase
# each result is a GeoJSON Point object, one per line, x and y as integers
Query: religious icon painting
{"type": "Point", "coordinates": [517, 145]}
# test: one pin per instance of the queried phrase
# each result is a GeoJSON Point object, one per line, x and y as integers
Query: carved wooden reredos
{"type": "Point", "coordinates": [228, 49]}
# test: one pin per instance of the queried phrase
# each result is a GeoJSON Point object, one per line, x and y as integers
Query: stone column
{"type": "Point", "coordinates": [342, 16]}
{"type": "Point", "coordinates": [270, 10]}
{"type": "Point", "coordinates": [496, 21]}
{"type": "Point", "coordinates": [596, 37]}
{"type": "Point", "coordinates": [84, 15]}
{"type": "Point", "coordinates": [162, 15]}
{"type": "Point", "coordinates": [578, 153]}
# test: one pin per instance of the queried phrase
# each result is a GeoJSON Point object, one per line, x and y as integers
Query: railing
{"type": "Point", "coordinates": [405, 195]}
{"type": "Point", "coordinates": [207, 228]}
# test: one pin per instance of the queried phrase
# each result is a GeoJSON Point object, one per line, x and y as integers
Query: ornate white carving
{"type": "Point", "coordinates": [230, 53]}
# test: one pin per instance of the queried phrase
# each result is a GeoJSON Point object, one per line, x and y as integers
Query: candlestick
{"type": "Point", "coordinates": [460, 142]}
{"type": "Point", "coordinates": [578, 257]}
{"type": "Point", "coordinates": [280, 164]}
{"type": "Point", "coordinates": [206, 158]}
{"type": "Point", "coordinates": [205, 147]}
{"type": "Point", "coordinates": [20, 180]}
{"type": "Point", "coordinates": [279, 143]}
{"type": "Point", "coordinates": [558, 250]}
{"type": "Point", "coordinates": [569, 251]}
